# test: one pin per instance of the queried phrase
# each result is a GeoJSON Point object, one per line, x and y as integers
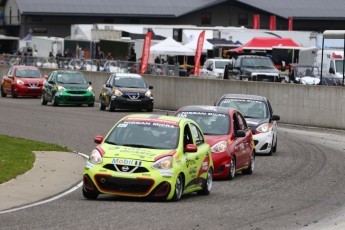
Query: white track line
{"type": "Point", "coordinates": [49, 199]}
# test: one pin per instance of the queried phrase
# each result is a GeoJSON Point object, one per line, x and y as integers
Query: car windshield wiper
{"type": "Point", "coordinates": [250, 117]}
{"type": "Point", "coordinates": [110, 142]}
{"type": "Point", "coordinates": [136, 145]}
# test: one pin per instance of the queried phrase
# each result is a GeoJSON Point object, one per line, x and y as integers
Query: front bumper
{"type": "Point", "coordinates": [221, 162]}
{"type": "Point", "coordinates": [263, 142]}
{"type": "Point", "coordinates": [75, 98]}
{"type": "Point", "coordinates": [23, 90]}
{"type": "Point", "coordinates": [127, 103]}
{"type": "Point", "coordinates": [142, 182]}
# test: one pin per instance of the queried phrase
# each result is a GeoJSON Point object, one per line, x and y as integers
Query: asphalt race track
{"type": "Point", "coordinates": [299, 187]}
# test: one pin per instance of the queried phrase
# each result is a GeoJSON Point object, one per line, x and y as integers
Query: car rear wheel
{"type": "Point", "coordinates": [232, 169]}
{"type": "Point", "coordinates": [43, 100]}
{"type": "Point", "coordinates": [251, 165]}
{"type": "Point", "coordinates": [150, 109]}
{"type": "Point", "coordinates": [178, 188]}
{"type": "Point", "coordinates": [3, 94]}
{"type": "Point", "coordinates": [207, 185]}
{"type": "Point", "coordinates": [88, 194]}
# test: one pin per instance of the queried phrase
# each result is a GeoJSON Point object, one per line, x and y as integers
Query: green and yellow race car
{"type": "Point", "coordinates": [154, 156]}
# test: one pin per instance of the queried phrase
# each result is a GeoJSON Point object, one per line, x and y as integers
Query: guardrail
{"type": "Point", "coordinates": [320, 106]}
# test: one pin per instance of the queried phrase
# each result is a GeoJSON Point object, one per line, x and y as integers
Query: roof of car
{"type": "Point", "coordinates": [252, 56]}
{"type": "Point", "coordinates": [244, 96]}
{"type": "Point", "coordinates": [205, 108]}
{"type": "Point", "coordinates": [154, 117]}
{"type": "Point", "coordinates": [126, 75]}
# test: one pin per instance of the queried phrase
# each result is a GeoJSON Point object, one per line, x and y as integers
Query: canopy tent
{"type": "Point", "coordinates": [266, 44]}
{"type": "Point", "coordinates": [193, 44]}
{"type": "Point", "coordinates": [171, 47]}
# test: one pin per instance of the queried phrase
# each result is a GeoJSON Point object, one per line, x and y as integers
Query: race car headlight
{"type": "Point", "coordinates": [148, 93]}
{"type": "Point", "coordinates": [90, 89]}
{"type": "Point", "coordinates": [219, 147]}
{"type": "Point", "coordinates": [163, 163]}
{"type": "Point", "coordinates": [61, 88]}
{"type": "Point", "coordinates": [20, 82]}
{"type": "Point", "coordinates": [95, 157]}
{"type": "Point", "coordinates": [117, 92]}
{"type": "Point", "coordinates": [264, 128]}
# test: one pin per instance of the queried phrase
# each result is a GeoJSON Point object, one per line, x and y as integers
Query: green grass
{"type": "Point", "coordinates": [16, 155]}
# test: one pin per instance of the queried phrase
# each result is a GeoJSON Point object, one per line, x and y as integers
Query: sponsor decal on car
{"type": "Point", "coordinates": [88, 165]}
{"type": "Point", "coordinates": [167, 173]}
{"type": "Point", "coordinates": [117, 161]}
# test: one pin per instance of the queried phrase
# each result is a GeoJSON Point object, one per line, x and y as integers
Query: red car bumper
{"type": "Point", "coordinates": [221, 163]}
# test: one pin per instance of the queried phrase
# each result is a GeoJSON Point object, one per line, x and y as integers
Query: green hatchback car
{"type": "Point", "coordinates": [153, 156]}
{"type": "Point", "coordinates": [67, 88]}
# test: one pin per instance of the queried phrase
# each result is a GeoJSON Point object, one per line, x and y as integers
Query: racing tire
{"type": "Point", "coordinates": [14, 95]}
{"type": "Point", "coordinates": [111, 107]}
{"type": "Point", "coordinates": [54, 101]}
{"type": "Point", "coordinates": [3, 94]}
{"type": "Point", "coordinates": [149, 109]}
{"type": "Point", "coordinates": [90, 195]}
{"type": "Point", "coordinates": [251, 165]}
{"type": "Point", "coordinates": [232, 168]}
{"type": "Point", "coordinates": [207, 185]}
{"type": "Point", "coordinates": [43, 101]}
{"type": "Point", "coordinates": [101, 104]}
{"type": "Point", "coordinates": [91, 105]}
{"type": "Point", "coordinates": [274, 149]}
{"type": "Point", "coordinates": [178, 188]}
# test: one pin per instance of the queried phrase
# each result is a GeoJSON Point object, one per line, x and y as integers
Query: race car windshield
{"type": "Point", "coordinates": [28, 73]}
{"type": "Point", "coordinates": [140, 134]}
{"type": "Point", "coordinates": [211, 123]}
{"type": "Point", "coordinates": [257, 62]}
{"type": "Point", "coordinates": [130, 82]}
{"type": "Point", "coordinates": [249, 108]}
{"type": "Point", "coordinates": [221, 64]}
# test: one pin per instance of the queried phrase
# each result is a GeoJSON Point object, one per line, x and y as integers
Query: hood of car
{"type": "Point", "coordinates": [310, 80]}
{"type": "Point", "coordinates": [134, 153]}
{"type": "Point", "coordinates": [214, 139]}
{"type": "Point", "coordinates": [75, 86]}
{"type": "Point", "coordinates": [253, 123]}
{"type": "Point", "coordinates": [129, 90]}
{"type": "Point", "coordinates": [30, 80]}
{"type": "Point", "coordinates": [266, 70]}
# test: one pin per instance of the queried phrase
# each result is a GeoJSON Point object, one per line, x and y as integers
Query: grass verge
{"type": "Point", "coordinates": [16, 155]}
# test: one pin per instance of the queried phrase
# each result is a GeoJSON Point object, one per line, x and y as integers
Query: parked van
{"type": "Point", "coordinates": [333, 62]}
{"type": "Point", "coordinates": [214, 67]}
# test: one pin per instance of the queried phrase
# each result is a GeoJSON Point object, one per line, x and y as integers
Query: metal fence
{"type": "Point", "coordinates": [111, 66]}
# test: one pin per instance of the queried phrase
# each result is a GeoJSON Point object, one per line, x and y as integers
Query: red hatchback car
{"type": "Point", "coordinates": [22, 81]}
{"type": "Point", "coordinates": [229, 136]}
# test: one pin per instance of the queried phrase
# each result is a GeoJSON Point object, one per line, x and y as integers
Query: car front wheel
{"type": "Point", "coordinates": [232, 169]}
{"type": "Point", "coordinates": [55, 102]}
{"type": "Point", "coordinates": [101, 104]}
{"type": "Point", "coordinates": [178, 188]}
{"type": "Point", "coordinates": [90, 195]}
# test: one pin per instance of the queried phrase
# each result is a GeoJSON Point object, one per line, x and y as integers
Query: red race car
{"type": "Point", "coordinates": [22, 81]}
{"type": "Point", "coordinates": [229, 136]}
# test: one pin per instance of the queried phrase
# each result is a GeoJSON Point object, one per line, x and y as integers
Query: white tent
{"type": "Point", "coordinates": [193, 44]}
{"type": "Point", "coordinates": [171, 47]}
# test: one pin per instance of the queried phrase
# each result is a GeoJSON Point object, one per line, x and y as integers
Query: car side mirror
{"type": "Point", "coordinates": [108, 85]}
{"type": "Point", "coordinates": [209, 68]}
{"type": "Point", "coordinates": [275, 118]}
{"type": "Point", "coordinates": [331, 70]}
{"type": "Point", "coordinates": [99, 139]}
{"type": "Point", "coordinates": [51, 82]}
{"type": "Point", "coordinates": [240, 133]}
{"type": "Point", "coordinates": [191, 148]}
{"type": "Point", "coordinates": [150, 87]}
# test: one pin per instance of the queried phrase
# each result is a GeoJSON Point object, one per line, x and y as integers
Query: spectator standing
{"type": "Point", "coordinates": [109, 56]}
{"type": "Point", "coordinates": [59, 58]}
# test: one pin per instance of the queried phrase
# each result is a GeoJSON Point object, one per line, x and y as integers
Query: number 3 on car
{"type": "Point", "coordinates": [159, 157]}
